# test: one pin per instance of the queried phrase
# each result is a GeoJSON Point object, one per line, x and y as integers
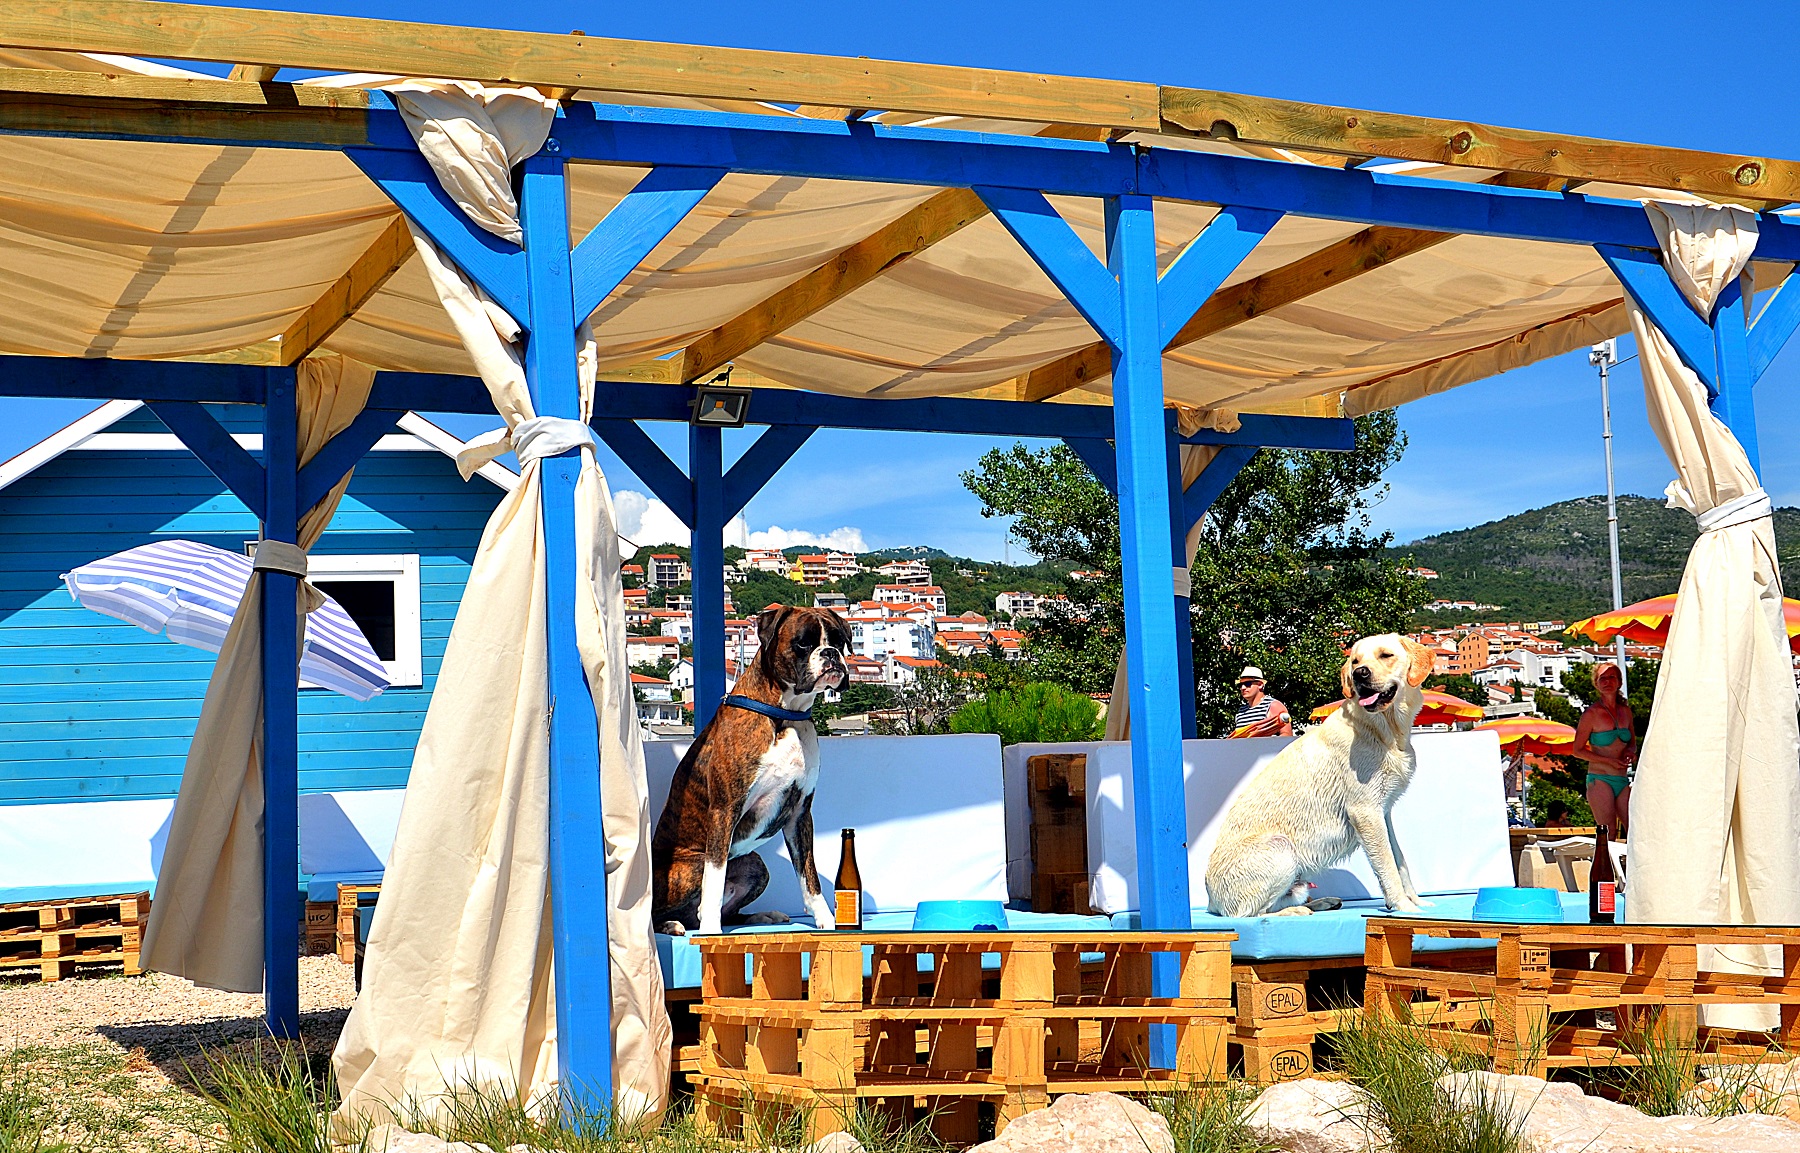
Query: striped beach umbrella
{"type": "Point", "coordinates": [1647, 622]}
{"type": "Point", "coordinates": [189, 591]}
{"type": "Point", "coordinates": [1538, 735]}
{"type": "Point", "coordinates": [1438, 709]}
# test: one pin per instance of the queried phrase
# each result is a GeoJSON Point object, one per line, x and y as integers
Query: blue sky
{"type": "Point", "coordinates": [1480, 452]}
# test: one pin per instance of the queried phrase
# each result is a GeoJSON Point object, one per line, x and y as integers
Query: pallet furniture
{"type": "Point", "coordinates": [1057, 788]}
{"type": "Point", "coordinates": [59, 938]}
{"type": "Point", "coordinates": [780, 1016]}
{"type": "Point", "coordinates": [1282, 1008]}
{"type": "Point", "coordinates": [1648, 975]}
{"type": "Point", "coordinates": [348, 897]}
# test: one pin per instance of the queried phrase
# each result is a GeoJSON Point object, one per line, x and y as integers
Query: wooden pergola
{"type": "Point", "coordinates": [990, 143]}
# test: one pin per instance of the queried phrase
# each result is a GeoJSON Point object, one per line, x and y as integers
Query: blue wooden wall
{"type": "Point", "coordinates": [92, 708]}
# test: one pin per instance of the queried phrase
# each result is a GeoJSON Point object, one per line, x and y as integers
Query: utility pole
{"type": "Point", "coordinates": [1603, 356]}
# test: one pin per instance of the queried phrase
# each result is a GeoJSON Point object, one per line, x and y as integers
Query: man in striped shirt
{"type": "Point", "coordinates": [1261, 715]}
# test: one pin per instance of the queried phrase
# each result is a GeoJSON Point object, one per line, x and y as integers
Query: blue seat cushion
{"type": "Point", "coordinates": [1340, 932]}
{"type": "Point", "coordinates": [680, 958]}
{"type": "Point", "coordinates": [324, 886]}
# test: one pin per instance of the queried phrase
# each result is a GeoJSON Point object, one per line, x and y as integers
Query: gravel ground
{"type": "Point", "coordinates": [111, 1053]}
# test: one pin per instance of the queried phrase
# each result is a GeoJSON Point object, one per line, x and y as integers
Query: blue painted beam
{"type": "Point", "coordinates": [1735, 403]}
{"type": "Point", "coordinates": [648, 463]}
{"type": "Point", "coordinates": [1315, 433]}
{"type": "Point", "coordinates": [496, 265]}
{"type": "Point", "coordinates": [146, 380]}
{"type": "Point", "coordinates": [1184, 616]}
{"type": "Point", "coordinates": [280, 719]}
{"type": "Point", "coordinates": [933, 156]}
{"type": "Point", "coordinates": [1776, 323]}
{"type": "Point", "coordinates": [582, 957]}
{"type": "Point", "coordinates": [340, 454]}
{"type": "Point", "coordinates": [1097, 454]}
{"type": "Point", "coordinates": [1209, 484]}
{"type": "Point", "coordinates": [637, 224]}
{"type": "Point", "coordinates": [707, 557]}
{"type": "Point", "coordinates": [224, 457]}
{"type": "Point", "coordinates": [1204, 264]}
{"type": "Point", "coordinates": [760, 462]}
{"type": "Point", "coordinates": [1152, 653]}
{"type": "Point", "coordinates": [1647, 282]}
{"type": "Point", "coordinates": [1042, 232]}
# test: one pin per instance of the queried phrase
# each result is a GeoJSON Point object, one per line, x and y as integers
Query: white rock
{"type": "Point", "coordinates": [839, 1142]}
{"type": "Point", "coordinates": [1314, 1116]}
{"type": "Point", "coordinates": [390, 1139]}
{"type": "Point", "coordinates": [1560, 1118]}
{"type": "Point", "coordinates": [1770, 1088]}
{"type": "Point", "coordinates": [1086, 1123]}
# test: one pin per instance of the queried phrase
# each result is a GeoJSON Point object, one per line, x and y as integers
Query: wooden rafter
{"type": "Point", "coordinates": [592, 63]}
{"type": "Point", "coordinates": [1320, 127]}
{"type": "Point", "coordinates": [1335, 264]}
{"type": "Point", "coordinates": [349, 292]}
{"type": "Point", "coordinates": [254, 73]}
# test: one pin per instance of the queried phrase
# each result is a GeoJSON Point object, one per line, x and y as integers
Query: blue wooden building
{"type": "Point", "coordinates": [96, 709]}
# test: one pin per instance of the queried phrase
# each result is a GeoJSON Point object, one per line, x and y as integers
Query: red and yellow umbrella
{"type": "Point", "coordinates": [1530, 735]}
{"type": "Point", "coordinates": [1438, 709]}
{"type": "Point", "coordinates": [1647, 622]}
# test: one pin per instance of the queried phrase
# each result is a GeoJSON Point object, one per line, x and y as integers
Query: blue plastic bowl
{"type": "Point", "coordinates": [959, 917]}
{"type": "Point", "coordinates": [1525, 906]}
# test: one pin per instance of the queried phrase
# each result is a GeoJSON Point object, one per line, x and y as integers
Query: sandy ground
{"type": "Point", "coordinates": [111, 1052]}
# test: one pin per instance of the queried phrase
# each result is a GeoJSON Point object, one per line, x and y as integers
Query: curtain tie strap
{"type": "Point", "coordinates": [280, 556]}
{"type": "Point", "coordinates": [1753, 505]}
{"type": "Point", "coordinates": [543, 436]}
{"type": "Point", "coordinates": [1184, 583]}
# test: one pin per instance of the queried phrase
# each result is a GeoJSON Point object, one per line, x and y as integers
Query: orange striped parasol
{"type": "Point", "coordinates": [1530, 735]}
{"type": "Point", "coordinates": [1647, 622]}
{"type": "Point", "coordinates": [1439, 709]}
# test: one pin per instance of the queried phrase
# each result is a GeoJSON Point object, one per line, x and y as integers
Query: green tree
{"type": "Point", "coordinates": [1039, 711]}
{"type": "Point", "coordinates": [1461, 685]}
{"type": "Point", "coordinates": [1288, 572]}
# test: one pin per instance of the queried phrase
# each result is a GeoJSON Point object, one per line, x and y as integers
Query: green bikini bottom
{"type": "Point", "coordinates": [1617, 782]}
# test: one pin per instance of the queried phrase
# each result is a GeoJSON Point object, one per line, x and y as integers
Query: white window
{"type": "Point", "coordinates": [381, 594]}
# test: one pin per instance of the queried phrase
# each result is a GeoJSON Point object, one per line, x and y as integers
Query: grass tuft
{"type": "Point", "coordinates": [271, 1097]}
{"type": "Point", "coordinates": [1210, 1118]}
{"type": "Point", "coordinates": [1397, 1065]}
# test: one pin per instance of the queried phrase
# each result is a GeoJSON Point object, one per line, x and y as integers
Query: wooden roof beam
{"type": "Point", "coordinates": [1353, 131]}
{"type": "Point", "coordinates": [349, 292]}
{"type": "Point", "coordinates": [349, 44]}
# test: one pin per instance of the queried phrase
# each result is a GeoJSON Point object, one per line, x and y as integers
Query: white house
{"type": "Point", "coordinates": [667, 570]}
{"type": "Point", "coordinates": [674, 623]}
{"type": "Point", "coordinates": [906, 670]}
{"type": "Point", "coordinates": [841, 565]}
{"type": "Point", "coordinates": [885, 636]}
{"type": "Point", "coordinates": [651, 650]}
{"type": "Point", "coordinates": [1018, 605]}
{"type": "Point", "coordinates": [764, 560]}
{"type": "Point", "coordinates": [914, 594]}
{"type": "Point", "coordinates": [906, 572]}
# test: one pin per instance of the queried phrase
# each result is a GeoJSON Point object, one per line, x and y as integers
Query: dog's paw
{"type": "Point", "coordinates": [672, 928]}
{"type": "Point", "coordinates": [772, 917]}
{"type": "Point", "coordinates": [713, 929]}
{"type": "Point", "coordinates": [1422, 903]}
{"type": "Point", "coordinates": [824, 916]}
{"type": "Point", "coordinates": [1403, 905]}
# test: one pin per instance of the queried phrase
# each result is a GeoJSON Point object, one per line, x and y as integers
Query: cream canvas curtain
{"type": "Point", "coordinates": [206, 923]}
{"type": "Point", "coordinates": [1715, 813]}
{"type": "Point", "coordinates": [1194, 459]}
{"type": "Point", "coordinates": [457, 981]}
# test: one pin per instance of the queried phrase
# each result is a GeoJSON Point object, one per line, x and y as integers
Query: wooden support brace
{"type": "Point", "coordinates": [1646, 281]}
{"type": "Point", "coordinates": [207, 439]}
{"type": "Point", "coordinates": [340, 454]}
{"type": "Point", "coordinates": [1098, 455]}
{"type": "Point", "coordinates": [650, 464]}
{"type": "Point", "coordinates": [1774, 325]}
{"type": "Point", "coordinates": [392, 249]}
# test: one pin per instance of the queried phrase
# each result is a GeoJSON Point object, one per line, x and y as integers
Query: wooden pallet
{"type": "Point", "coordinates": [61, 938]}
{"type": "Point", "coordinates": [347, 899]}
{"type": "Point", "coordinates": [1542, 982]}
{"type": "Point", "coordinates": [1281, 1009]}
{"type": "Point", "coordinates": [940, 1040]}
{"type": "Point", "coordinates": [1057, 790]}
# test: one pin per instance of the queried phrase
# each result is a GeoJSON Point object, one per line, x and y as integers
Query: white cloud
{"type": "Point", "coordinates": [645, 520]}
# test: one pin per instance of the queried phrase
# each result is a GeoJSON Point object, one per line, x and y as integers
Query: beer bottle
{"type": "Point", "coordinates": [849, 885]}
{"type": "Point", "coordinates": [1602, 882]}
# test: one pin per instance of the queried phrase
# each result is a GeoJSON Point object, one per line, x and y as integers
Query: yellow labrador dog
{"type": "Point", "coordinates": [1328, 792]}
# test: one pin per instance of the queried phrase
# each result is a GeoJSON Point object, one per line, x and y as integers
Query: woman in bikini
{"type": "Point", "coordinates": [1605, 740]}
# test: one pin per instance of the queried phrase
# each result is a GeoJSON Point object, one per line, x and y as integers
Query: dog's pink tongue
{"type": "Point", "coordinates": [1369, 700]}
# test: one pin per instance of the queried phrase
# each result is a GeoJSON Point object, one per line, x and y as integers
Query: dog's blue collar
{"type": "Point", "coordinates": [775, 711]}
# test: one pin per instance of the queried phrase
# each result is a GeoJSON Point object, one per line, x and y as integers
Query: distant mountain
{"type": "Point", "coordinates": [910, 552]}
{"type": "Point", "coordinates": [1552, 563]}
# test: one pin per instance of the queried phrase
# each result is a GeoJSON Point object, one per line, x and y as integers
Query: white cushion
{"type": "Point", "coordinates": [1451, 821]}
{"type": "Point", "coordinates": [928, 814]}
{"type": "Point", "coordinates": [80, 848]}
{"type": "Point", "coordinates": [348, 832]}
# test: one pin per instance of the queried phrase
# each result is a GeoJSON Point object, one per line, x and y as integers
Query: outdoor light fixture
{"type": "Point", "coordinates": [718, 405]}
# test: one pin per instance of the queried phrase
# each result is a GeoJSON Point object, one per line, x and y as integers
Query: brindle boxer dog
{"type": "Point", "coordinates": [749, 776]}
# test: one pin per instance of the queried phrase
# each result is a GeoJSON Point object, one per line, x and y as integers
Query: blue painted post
{"type": "Point", "coordinates": [1736, 402]}
{"type": "Point", "coordinates": [706, 469]}
{"type": "Point", "coordinates": [1141, 438]}
{"type": "Point", "coordinates": [577, 841]}
{"type": "Point", "coordinates": [1184, 620]}
{"type": "Point", "coordinates": [281, 699]}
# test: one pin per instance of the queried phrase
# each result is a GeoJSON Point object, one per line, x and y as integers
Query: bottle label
{"type": "Point", "coordinates": [1605, 897]}
{"type": "Point", "coordinates": [849, 908]}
